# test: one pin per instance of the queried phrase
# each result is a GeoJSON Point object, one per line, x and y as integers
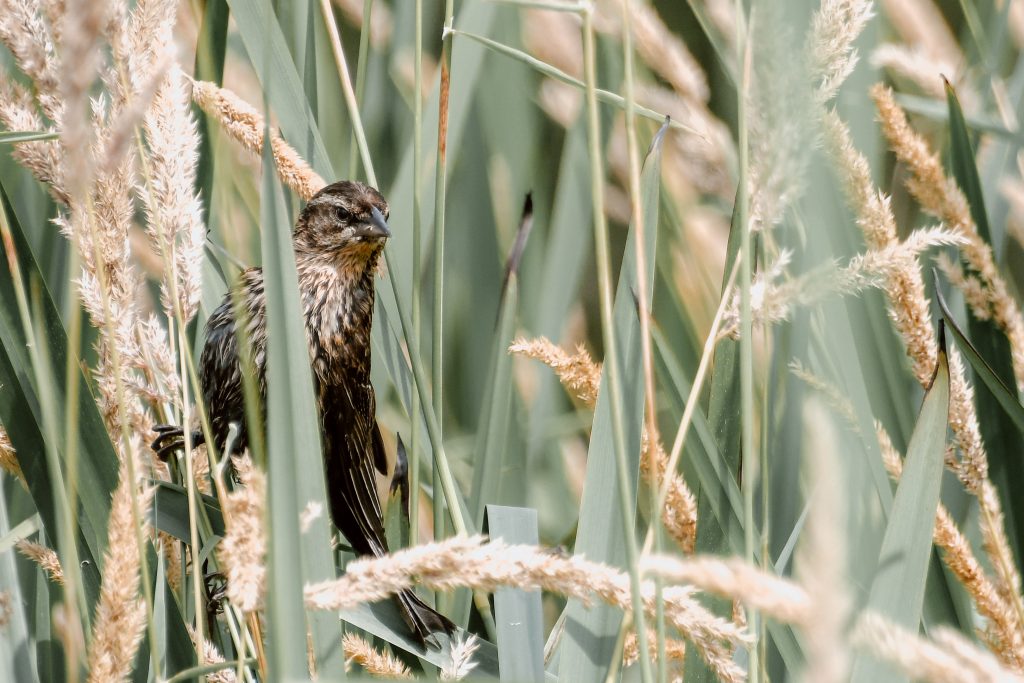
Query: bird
{"type": "Point", "coordinates": [338, 240]}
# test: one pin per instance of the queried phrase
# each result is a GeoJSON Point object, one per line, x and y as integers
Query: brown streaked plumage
{"type": "Point", "coordinates": [338, 241]}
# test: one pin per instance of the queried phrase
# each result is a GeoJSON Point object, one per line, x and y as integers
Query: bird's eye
{"type": "Point", "coordinates": [341, 213]}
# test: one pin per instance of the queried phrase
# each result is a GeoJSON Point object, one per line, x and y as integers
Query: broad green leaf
{"type": "Point", "coordinates": [1001, 436]}
{"type": "Point", "coordinates": [492, 431]}
{"type": "Point", "coordinates": [17, 651]}
{"type": "Point", "coordinates": [169, 512]}
{"type": "Point", "coordinates": [382, 619]}
{"type": "Point", "coordinates": [588, 643]}
{"type": "Point", "coordinates": [294, 461]}
{"type": "Point", "coordinates": [897, 591]}
{"type": "Point", "coordinates": [518, 614]}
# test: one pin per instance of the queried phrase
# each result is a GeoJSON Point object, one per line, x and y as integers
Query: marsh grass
{"type": "Point", "coordinates": [725, 271]}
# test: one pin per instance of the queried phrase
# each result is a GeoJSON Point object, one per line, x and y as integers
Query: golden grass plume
{"type": "Point", "coordinates": [244, 548]}
{"type": "Point", "coordinates": [45, 557]}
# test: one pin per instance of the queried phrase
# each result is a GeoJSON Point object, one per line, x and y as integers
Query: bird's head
{"type": "Point", "coordinates": [345, 222]}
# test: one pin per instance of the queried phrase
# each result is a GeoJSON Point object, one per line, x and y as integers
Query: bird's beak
{"type": "Point", "coordinates": [376, 227]}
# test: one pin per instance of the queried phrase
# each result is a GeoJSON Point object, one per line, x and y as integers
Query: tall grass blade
{"type": "Point", "coordinates": [492, 433]}
{"type": "Point", "coordinates": [899, 585]}
{"type": "Point", "coordinates": [1007, 398]}
{"type": "Point", "coordinates": [17, 651]}
{"type": "Point", "coordinates": [517, 613]}
{"type": "Point", "coordinates": [382, 620]}
{"type": "Point", "coordinates": [1000, 434]}
{"type": "Point", "coordinates": [294, 462]}
{"type": "Point", "coordinates": [588, 645]}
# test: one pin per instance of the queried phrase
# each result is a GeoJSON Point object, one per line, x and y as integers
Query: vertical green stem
{"type": "Point", "coordinates": [417, 266]}
{"type": "Point", "coordinates": [364, 51]}
{"type": "Point", "coordinates": [65, 532]}
{"type": "Point", "coordinates": [749, 446]}
{"type": "Point", "coordinates": [608, 334]}
{"type": "Point", "coordinates": [639, 228]}
{"type": "Point", "coordinates": [71, 398]}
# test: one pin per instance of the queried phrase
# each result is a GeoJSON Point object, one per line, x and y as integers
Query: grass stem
{"type": "Point", "coordinates": [627, 504]}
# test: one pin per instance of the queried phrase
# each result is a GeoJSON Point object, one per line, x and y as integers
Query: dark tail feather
{"type": "Point", "coordinates": [423, 621]}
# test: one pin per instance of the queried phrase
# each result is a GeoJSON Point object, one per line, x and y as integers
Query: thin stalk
{"type": "Point", "coordinates": [627, 506]}
{"type": "Point", "coordinates": [71, 401]}
{"type": "Point", "coordinates": [440, 196]}
{"type": "Point", "coordinates": [749, 446]}
{"type": "Point", "coordinates": [559, 75]}
{"type": "Point", "coordinates": [639, 228]}
{"type": "Point", "coordinates": [417, 266]}
{"type": "Point", "coordinates": [698, 384]}
{"type": "Point", "coordinates": [364, 50]}
{"type": "Point", "coordinates": [66, 541]}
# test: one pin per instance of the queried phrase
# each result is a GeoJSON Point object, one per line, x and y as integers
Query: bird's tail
{"type": "Point", "coordinates": [423, 620]}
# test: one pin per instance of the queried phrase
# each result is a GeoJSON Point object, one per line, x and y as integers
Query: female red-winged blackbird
{"type": "Point", "coordinates": [338, 241]}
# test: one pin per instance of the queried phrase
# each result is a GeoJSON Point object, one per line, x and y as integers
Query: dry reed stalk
{"type": "Point", "coordinates": [940, 196]}
{"type": "Point", "coordinates": [373, 661]}
{"type": "Point", "coordinates": [173, 208]}
{"type": "Point", "coordinates": [947, 659]}
{"type": "Point", "coordinates": [45, 557]}
{"type": "Point", "coordinates": [680, 512]}
{"type": "Point", "coordinates": [246, 125]}
{"type": "Point", "coordinates": [907, 305]}
{"type": "Point", "coordinates": [577, 372]}
{"type": "Point", "coordinates": [468, 562]}
{"type": "Point", "coordinates": [733, 578]}
{"type": "Point", "coordinates": [920, 23]}
{"type": "Point", "coordinates": [9, 458]}
{"type": "Point", "coordinates": [1004, 635]}
{"type": "Point", "coordinates": [969, 285]}
{"type": "Point", "coordinates": [831, 55]}
{"type": "Point", "coordinates": [460, 658]}
{"type": "Point", "coordinates": [120, 612]}
{"type": "Point", "coordinates": [821, 560]}
{"type": "Point", "coordinates": [884, 268]}
{"type": "Point", "coordinates": [41, 158]}
{"type": "Point", "coordinates": [911, 63]}
{"type": "Point", "coordinates": [675, 650]}
{"type": "Point", "coordinates": [554, 38]}
{"type": "Point", "coordinates": [244, 548]}
{"type": "Point", "coordinates": [172, 550]}
{"type": "Point", "coordinates": [211, 655]}
{"type": "Point", "coordinates": [659, 48]}
{"type": "Point", "coordinates": [88, 172]}
{"type": "Point", "coordinates": [582, 377]}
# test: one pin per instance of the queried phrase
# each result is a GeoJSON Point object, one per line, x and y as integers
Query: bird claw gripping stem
{"type": "Point", "coordinates": [171, 438]}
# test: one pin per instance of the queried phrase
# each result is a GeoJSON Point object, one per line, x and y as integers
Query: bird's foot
{"type": "Point", "coordinates": [171, 438]}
